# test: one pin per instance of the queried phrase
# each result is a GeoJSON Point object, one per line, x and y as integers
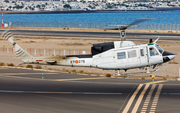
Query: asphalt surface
{"type": "Point", "coordinates": [163, 36]}
{"type": "Point", "coordinates": [24, 91]}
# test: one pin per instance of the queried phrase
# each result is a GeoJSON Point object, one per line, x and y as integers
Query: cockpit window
{"type": "Point", "coordinates": [153, 51]}
{"type": "Point", "coordinates": [159, 48]}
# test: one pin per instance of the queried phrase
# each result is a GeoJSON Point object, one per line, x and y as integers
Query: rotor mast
{"type": "Point", "coordinates": [122, 34]}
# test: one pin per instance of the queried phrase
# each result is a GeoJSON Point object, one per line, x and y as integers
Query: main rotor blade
{"type": "Point", "coordinates": [135, 23]}
{"type": "Point", "coordinates": [112, 29]}
{"type": "Point", "coordinates": [124, 27]}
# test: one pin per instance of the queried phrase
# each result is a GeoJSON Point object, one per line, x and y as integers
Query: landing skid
{"type": "Point", "coordinates": [137, 73]}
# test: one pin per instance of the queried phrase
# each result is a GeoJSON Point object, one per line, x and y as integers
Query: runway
{"type": "Point", "coordinates": [23, 90]}
{"type": "Point", "coordinates": [45, 33]}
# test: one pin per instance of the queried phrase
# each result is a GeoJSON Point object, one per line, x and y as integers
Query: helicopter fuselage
{"type": "Point", "coordinates": [118, 55]}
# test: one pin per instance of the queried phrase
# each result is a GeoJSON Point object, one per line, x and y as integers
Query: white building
{"type": "Point", "coordinates": [112, 1]}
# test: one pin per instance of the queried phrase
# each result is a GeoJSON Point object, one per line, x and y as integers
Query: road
{"type": "Point", "coordinates": [163, 36]}
{"type": "Point", "coordinates": [23, 90]}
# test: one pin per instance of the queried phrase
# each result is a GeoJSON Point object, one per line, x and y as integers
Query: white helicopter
{"type": "Point", "coordinates": [117, 55]}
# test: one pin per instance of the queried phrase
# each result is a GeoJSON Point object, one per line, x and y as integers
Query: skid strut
{"type": "Point", "coordinates": [136, 73]}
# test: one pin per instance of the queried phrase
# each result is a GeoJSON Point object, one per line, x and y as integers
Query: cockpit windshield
{"type": "Point", "coordinates": [159, 48]}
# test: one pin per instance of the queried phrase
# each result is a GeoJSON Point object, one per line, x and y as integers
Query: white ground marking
{"type": "Point", "coordinates": [153, 107]}
{"type": "Point", "coordinates": [3, 68]}
{"type": "Point", "coordinates": [26, 73]}
{"type": "Point", "coordinates": [132, 99]}
{"type": "Point", "coordinates": [149, 96]}
{"type": "Point", "coordinates": [140, 99]}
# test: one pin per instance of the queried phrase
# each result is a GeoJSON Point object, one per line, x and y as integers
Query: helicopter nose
{"type": "Point", "coordinates": [167, 56]}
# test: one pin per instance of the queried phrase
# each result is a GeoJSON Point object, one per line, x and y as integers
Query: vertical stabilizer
{"type": "Point", "coordinates": [22, 54]}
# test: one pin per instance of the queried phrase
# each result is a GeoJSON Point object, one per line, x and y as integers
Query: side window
{"type": "Point", "coordinates": [153, 51]}
{"type": "Point", "coordinates": [132, 54]}
{"type": "Point", "coordinates": [142, 52]}
{"type": "Point", "coordinates": [121, 55]}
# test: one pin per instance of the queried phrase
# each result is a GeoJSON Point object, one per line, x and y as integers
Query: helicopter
{"type": "Point", "coordinates": [117, 55]}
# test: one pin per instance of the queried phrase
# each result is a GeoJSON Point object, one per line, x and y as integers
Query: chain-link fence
{"type": "Point", "coordinates": [100, 25]}
{"type": "Point", "coordinates": [47, 52]}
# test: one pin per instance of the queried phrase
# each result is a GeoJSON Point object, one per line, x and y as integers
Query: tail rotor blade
{"type": "Point", "coordinates": [7, 35]}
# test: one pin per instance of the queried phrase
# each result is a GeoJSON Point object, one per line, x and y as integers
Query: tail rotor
{"type": "Point", "coordinates": [20, 52]}
{"type": "Point", "coordinates": [7, 35]}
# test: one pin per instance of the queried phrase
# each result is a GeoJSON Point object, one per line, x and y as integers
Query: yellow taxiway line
{"type": "Point", "coordinates": [156, 82]}
{"type": "Point", "coordinates": [138, 102]}
{"type": "Point", "coordinates": [65, 79]}
{"type": "Point", "coordinates": [79, 79]}
{"type": "Point", "coordinates": [132, 99]}
{"type": "Point", "coordinates": [7, 75]}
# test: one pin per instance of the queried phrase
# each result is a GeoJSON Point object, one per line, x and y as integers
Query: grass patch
{"type": "Point", "coordinates": [2, 64]}
{"type": "Point", "coordinates": [81, 71]}
{"type": "Point", "coordinates": [74, 71]}
{"type": "Point", "coordinates": [29, 66]}
{"type": "Point", "coordinates": [38, 67]}
{"type": "Point", "coordinates": [124, 76]}
{"type": "Point", "coordinates": [142, 78]}
{"type": "Point", "coordinates": [66, 70]}
{"type": "Point", "coordinates": [11, 64]}
{"type": "Point", "coordinates": [108, 75]}
{"type": "Point", "coordinates": [170, 31]}
{"type": "Point", "coordinates": [164, 78]}
{"type": "Point", "coordinates": [50, 69]}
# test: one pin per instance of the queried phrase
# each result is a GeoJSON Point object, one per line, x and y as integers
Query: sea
{"type": "Point", "coordinates": [158, 17]}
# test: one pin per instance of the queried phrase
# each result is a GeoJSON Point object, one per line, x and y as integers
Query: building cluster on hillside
{"type": "Point", "coordinates": [58, 5]}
